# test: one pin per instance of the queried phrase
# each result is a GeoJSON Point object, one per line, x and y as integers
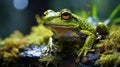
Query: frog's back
{"type": "Point", "coordinates": [87, 26]}
{"type": "Point", "coordinates": [84, 25]}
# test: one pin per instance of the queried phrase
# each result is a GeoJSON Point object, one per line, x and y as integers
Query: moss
{"type": "Point", "coordinates": [39, 35]}
{"type": "Point", "coordinates": [10, 46]}
{"type": "Point", "coordinates": [110, 47]}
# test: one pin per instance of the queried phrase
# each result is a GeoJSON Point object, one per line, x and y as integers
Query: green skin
{"type": "Point", "coordinates": [53, 19]}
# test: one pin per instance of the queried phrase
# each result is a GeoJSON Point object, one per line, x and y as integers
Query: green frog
{"type": "Point", "coordinates": [69, 27]}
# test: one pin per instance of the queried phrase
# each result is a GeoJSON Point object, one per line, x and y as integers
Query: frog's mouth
{"type": "Point", "coordinates": [56, 25]}
{"type": "Point", "coordinates": [60, 25]}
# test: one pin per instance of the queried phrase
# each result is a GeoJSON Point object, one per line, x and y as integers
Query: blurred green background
{"type": "Point", "coordinates": [20, 14]}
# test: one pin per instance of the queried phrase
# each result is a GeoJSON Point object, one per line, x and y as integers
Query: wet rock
{"type": "Point", "coordinates": [34, 51]}
{"type": "Point", "coordinates": [90, 62]}
{"type": "Point", "coordinates": [30, 56]}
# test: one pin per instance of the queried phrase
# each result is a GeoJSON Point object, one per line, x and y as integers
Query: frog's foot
{"type": "Point", "coordinates": [50, 51]}
{"type": "Point", "coordinates": [49, 57]}
{"type": "Point", "coordinates": [51, 47]}
{"type": "Point", "coordinates": [49, 60]}
{"type": "Point", "coordinates": [82, 52]}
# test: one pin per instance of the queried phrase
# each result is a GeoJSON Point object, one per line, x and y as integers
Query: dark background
{"type": "Point", "coordinates": [12, 19]}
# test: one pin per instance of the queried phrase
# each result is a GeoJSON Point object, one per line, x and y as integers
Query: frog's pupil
{"type": "Point", "coordinates": [65, 16]}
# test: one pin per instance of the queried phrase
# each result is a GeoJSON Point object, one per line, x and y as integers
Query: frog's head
{"type": "Point", "coordinates": [64, 18]}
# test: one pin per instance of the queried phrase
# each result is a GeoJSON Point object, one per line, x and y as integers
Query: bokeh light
{"type": "Point", "coordinates": [20, 4]}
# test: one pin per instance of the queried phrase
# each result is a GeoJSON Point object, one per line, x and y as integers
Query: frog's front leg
{"type": "Point", "coordinates": [87, 45]}
{"type": "Point", "coordinates": [51, 46]}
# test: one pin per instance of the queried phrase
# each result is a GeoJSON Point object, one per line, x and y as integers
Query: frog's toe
{"type": "Point", "coordinates": [77, 60]}
{"type": "Point", "coordinates": [83, 52]}
{"type": "Point", "coordinates": [80, 52]}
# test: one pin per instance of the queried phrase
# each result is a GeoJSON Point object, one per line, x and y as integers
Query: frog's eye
{"type": "Point", "coordinates": [65, 14]}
